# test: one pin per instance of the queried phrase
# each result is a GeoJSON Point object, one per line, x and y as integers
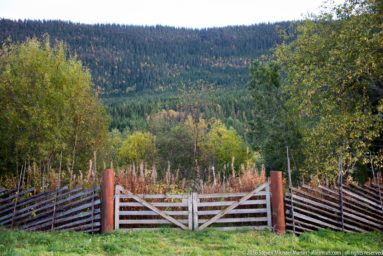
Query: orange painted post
{"type": "Point", "coordinates": [277, 204]}
{"type": "Point", "coordinates": [107, 207]}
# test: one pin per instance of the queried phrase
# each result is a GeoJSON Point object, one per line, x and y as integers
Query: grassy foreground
{"type": "Point", "coordinates": [171, 242]}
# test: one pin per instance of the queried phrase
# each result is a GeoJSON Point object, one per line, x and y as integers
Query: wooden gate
{"type": "Point", "coordinates": [188, 211]}
{"type": "Point", "coordinates": [252, 209]}
{"type": "Point", "coordinates": [152, 210]}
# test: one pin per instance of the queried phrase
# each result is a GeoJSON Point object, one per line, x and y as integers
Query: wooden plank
{"type": "Point", "coordinates": [153, 208]}
{"type": "Point", "coordinates": [241, 228]}
{"type": "Point", "coordinates": [31, 215]}
{"type": "Point", "coordinates": [306, 200]}
{"type": "Point", "coordinates": [150, 196]}
{"type": "Point", "coordinates": [195, 211]}
{"type": "Point", "coordinates": [228, 203]}
{"type": "Point", "coordinates": [352, 199]}
{"type": "Point", "coordinates": [71, 192]}
{"type": "Point", "coordinates": [352, 203]}
{"type": "Point", "coordinates": [348, 213]}
{"type": "Point", "coordinates": [2, 190]}
{"type": "Point", "coordinates": [331, 215]}
{"type": "Point", "coordinates": [373, 187]}
{"type": "Point", "coordinates": [17, 195]}
{"type": "Point", "coordinates": [235, 211]}
{"type": "Point", "coordinates": [314, 211]}
{"type": "Point", "coordinates": [151, 221]}
{"type": "Point", "coordinates": [268, 208]}
{"type": "Point", "coordinates": [147, 229]}
{"type": "Point", "coordinates": [366, 191]}
{"type": "Point", "coordinates": [78, 195]}
{"type": "Point", "coordinates": [351, 213]}
{"type": "Point", "coordinates": [190, 211]}
{"type": "Point", "coordinates": [70, 218]}
{"type": "Point", "coordinates": [77, 216]}
{"type": "Point", "coordinates": [32, 199]}
{"type": "Point", "coordinates": [156, 196]}
{"type": "Point", "coordinates": [311, 208]}
{"type": "Point", "coordinates": [159, 204]}
{"type": "Point", "coordinates": [359, 191]}
{"type": "Point", "coordinates": [223, 195]}
{"type": "Point", "coordinates": [231, 207]}
{"type": "Point", "coordinates": [49, 222]}
{"type": "Point", "coordinates": [8, 192]}
{"type": "Point", "coordinates": [235, 220]}
{"type": "Point", "coordinates": [27, 214]}
{"type": "Point", "coordinates": [80, 201]}
{"type": "Point", "coordinates": [76, 209]}
{"type": "Point", "coordinates": [360, 197]}
{"type": "Point", "coordinates": [318, 216]}
{"type": "Point", "coordinates": [6, 207]}
{"type": "Point", "coordinates": [152, 213]}
{"type": "Point", "coordinates": [82, 221]}
{"type": "Point", "coordinates": [35, 225]}
{"type": "Point", "coordinates": [318, 222]}
{"type": "Point", "coordinates": [38, 216]}
{"type": "Point", "coordinates": [38, 203]}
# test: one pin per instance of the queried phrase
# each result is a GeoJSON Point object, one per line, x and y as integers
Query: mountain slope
{"type": "Point", "coordinates": [128, 59]}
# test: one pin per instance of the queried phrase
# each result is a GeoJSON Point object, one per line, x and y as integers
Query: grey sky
{"type": "Point", "coordinates": [179, 13]}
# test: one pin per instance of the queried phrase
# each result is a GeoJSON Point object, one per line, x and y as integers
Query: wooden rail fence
{"type": "Point", "coordinates": [193, 210]}
{"type": "Point", "coordinates": [349, 208]}
{"type": "Point", "coordinates": [73, 210]}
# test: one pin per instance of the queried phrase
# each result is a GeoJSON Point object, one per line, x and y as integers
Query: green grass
{"type": "Point", "coordinates": [171, 242]}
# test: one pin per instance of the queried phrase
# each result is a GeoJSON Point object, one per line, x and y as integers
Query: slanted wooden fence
{"type": "Point", "coordinates": [193, 210]}
{"type": "Point", "coordinates": [349, 208]}
{"type": "Point", "coordinates": [77, 209]}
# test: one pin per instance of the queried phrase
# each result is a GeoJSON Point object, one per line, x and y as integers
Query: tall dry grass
{"type": "Point", "coordinates": [141, 180]}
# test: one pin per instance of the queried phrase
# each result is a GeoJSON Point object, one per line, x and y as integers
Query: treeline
{"type": "Point", "coordinates": [234, 107]}
{"type": "Point", "coordinates": [128, 59]}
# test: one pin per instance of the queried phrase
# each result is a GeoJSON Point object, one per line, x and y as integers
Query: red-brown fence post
{"type": "Point", "coordinates": [107, 206]}
{"type": "Point", "coordinates": [277, 204]}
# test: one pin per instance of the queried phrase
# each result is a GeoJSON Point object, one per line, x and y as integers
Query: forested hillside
{"type": "Point", "coordinates": [128, 59]}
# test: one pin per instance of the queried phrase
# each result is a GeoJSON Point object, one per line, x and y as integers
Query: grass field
{"type": "Point", "coordinates": [171, 242]}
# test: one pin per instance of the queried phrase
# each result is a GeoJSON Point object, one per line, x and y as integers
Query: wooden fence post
{"type": "Point", "coordinates": [277, 204]}
{"type": "Point", "coordinates": [107, 206]}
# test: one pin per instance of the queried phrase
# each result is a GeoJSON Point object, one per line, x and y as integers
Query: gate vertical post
{"type": "Point", "coordinates": [117, 208]}
{"type": "Point", "coordinates": [107, 206]}
{"type": "Point", "coordinates": [277, 204]}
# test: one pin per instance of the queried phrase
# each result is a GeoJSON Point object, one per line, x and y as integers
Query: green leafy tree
{"type": "Point", "coordinates": [222, 145]}
{"type": "Point", "coordinates": [47, 106]}
{"type": "Point", "coordinates": [335, 81]}
{"type": "Point", "coordinates": [114, 143]}
{"type": "Point", "coordinates": [138, 147]}
{"type": "Point", "coordinates": [176, 146]}
{"type": "Point", "coordinates": [274, 124]}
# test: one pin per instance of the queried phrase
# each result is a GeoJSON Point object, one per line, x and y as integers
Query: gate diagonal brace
{"type": "Point", "coordinates": [153, 208]}
{"type": "Point", "coordinates": [231, 207]}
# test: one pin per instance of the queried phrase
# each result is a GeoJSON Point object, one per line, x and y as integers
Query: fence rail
{"type": "Point", "coordinates": [351, 208]}
{"type": "Point", "coordinates": [73, 210]}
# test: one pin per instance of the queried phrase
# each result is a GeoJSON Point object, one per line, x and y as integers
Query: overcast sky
{"type": "Point", "coordinates": [178, 13]}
